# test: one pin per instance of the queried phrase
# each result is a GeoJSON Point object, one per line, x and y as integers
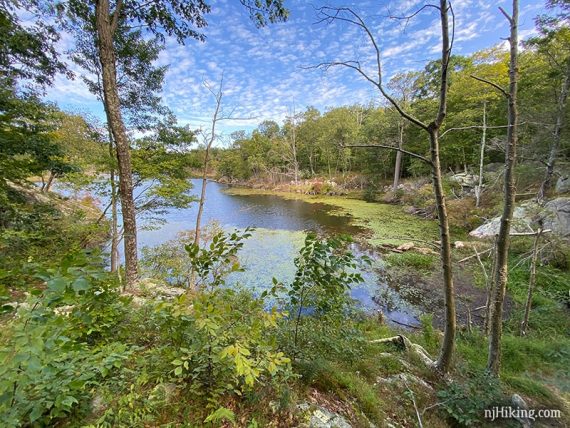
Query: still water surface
{"type": "Point", "coordinates": [280, 225]}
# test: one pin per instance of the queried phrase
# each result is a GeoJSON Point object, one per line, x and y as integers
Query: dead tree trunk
{"type": "Point", "coordinates": [556, 135]}
{"type": "Point", "coordinates": [398, 166]}
{"type": "Point", "coordinates": [503, 239]}
{"type": "Point", "coordinates": [531, 283]}
{"type": "Point", "coordinates": [345, 14]}
{"type": "Point", "coordinates": [209, 141]}
{"type": "Point", "coordinates": [106, 25]}
{"type": "Point", "coordinates": [479, 187]}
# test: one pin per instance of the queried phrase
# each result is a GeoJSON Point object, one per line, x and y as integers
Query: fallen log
{"type": "Point", "coordinates": [410, 348]}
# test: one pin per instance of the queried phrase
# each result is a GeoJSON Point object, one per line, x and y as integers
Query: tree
{"type": "Point", "coordinates": [181, 19]}
{"type": "Point", "coordinates": [331, 14]}
{"type": "Point", "coordinates": [554, 44]}
{"type": "Point", "coordinates": [404, 85]}
{"type": "Point", "coordinates": [499, 282]}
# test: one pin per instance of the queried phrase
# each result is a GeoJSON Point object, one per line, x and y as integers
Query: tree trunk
{"type": "Point", "coordinates": [479, 187]}
{"type": "Point", "coordinates": [114, 225]}
{"type": "Point", "coordinates": [503, 239]}
{"type": "Point", "coordinates": [531, 283]}
{"type": "Point", "coordinates": [105, 29]}
{"type": "Point", "coordinates": [398, 166]}
{"type": "Point", "coordinates": [202, 197]}
{"type": "Point", "coordinates": [555, 147]}
{"type": "Point", "coordinates": [444, 361]}
{"type": "Point", "coordinates": [49, 182]}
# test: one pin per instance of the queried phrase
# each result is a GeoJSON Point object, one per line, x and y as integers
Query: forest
{"type": "Point", "coordinates": [402, 261]}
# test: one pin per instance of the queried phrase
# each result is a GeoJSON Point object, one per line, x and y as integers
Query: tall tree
{"type": "Point", "coordinates": [330, 14]}
{"type": "Point", "coordinates": [178, 18]}
{"type": "Point", "coordinates": [554, 44]}
{"type": "Point", "coordinates": [500, 271]}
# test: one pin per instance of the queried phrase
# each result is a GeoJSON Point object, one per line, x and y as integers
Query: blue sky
{"type": "Point", "coordinates": [263, 68]}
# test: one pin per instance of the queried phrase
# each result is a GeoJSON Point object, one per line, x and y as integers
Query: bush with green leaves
{"type": "Point", "coordinates": [320, 309]}
{"type": "Point", "coordinates": [465, 403]}
{"type": "Point", "coordinates": [223, 340]}
{"type": "Point", "coordinates": [169, 261]}
{"type": "Point", "coordinates": [53, 354]}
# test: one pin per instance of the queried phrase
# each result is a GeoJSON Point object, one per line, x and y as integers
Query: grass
{"type": "Point", "coordinates": [420, 262]}
{"type": "Point", "coordinates": [387, 224]}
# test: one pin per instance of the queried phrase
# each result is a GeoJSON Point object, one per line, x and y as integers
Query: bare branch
{"type": "Point", "coordinates": [397, 149]}
{"type": "Point", "coordinates": [355, 65]}
{"type": "Point", "coordinates": [494, 85]}
{"type": "Point", "coordinates": [509, 18]}
{"type": "Point", "coordinates": [462, 128]}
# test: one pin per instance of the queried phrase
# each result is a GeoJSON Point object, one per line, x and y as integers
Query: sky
{"type": "Point", "coordinates": [265, 70]}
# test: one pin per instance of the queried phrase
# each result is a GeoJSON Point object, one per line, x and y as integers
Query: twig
{"type": "Point", "coordinates": [475, 255]}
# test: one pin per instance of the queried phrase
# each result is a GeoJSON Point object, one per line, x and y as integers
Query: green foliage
{"type": "Point", "coordinates": [321, 319]}
{"type": "Point", "coordinates": [212, 264]}
{"type": "Point", "coordinates": [410, 259]}
{"type": "Point", "coordinates": [465, 403]}
{"type": "Point", "coordinates": [52, 354]}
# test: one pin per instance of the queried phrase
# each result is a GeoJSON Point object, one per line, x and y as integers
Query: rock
{"type": "Point", "coordinates": [407, 246]}
{"type": "Point", "coordinates": [465, 179]}
{"type": "Point", "coordinates": [404, 380]}
{"type": "Point", "coordinates": [98, 404]}
{"type": "Point", "coordinates": [323, 418]}
{"type": "Point", "coordinates": [562, 184]}
{"type": "Point", "coordinates": [559, 221]}
{"type": "Point", "coordinates": [458, 244]}
{"type": "Point", "coordinates": [518, 403]}
{"type": "Point", "coordinates": [555, 215]}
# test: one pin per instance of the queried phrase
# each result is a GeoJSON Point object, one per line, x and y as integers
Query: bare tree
{"type": "Point", "coordinates": [557, 134]}
{"type": "Point", "coordinates": [500, 271]}
{"type": "Point", "coordinates": [479, 186]}
{"type": "Point", "coordinates": [290, 155]}
{"type": "Point", "coordinates": [347, 15]}
{"type": "Point", "coordinates": [208, 140]}
{"type": "Point", "coordinates": [531, 282]}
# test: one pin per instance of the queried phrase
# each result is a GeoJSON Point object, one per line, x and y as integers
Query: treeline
{"type": "Point", "coordinates": [336, 143]}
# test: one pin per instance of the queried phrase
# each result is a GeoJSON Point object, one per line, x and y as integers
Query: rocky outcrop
{"type": "Point", "coordinates": [554, 215]}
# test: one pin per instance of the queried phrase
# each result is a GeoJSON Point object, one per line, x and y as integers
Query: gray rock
{"type": "Point", "coordinates": [319, 417]}
{"type": "Point", "coordinates": [518, 403]}
{"type": "Point", "coordinates": [555, 215]}
{"type": "Point", "coordinates": [562, 184]}
{"type": "Point", "coordinates": [465, 179]}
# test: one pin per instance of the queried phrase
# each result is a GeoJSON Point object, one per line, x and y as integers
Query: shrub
{"type": "Point", "coordinates": [465, 403]}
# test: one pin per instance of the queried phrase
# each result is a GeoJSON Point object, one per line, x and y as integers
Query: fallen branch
{"type": "Point", "coordinates": [475, 255]}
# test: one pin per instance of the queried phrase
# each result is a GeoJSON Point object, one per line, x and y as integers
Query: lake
{"type": "Point", "coordinates": [280, 228]}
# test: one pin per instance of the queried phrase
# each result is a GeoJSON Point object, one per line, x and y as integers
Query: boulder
{"type": "Point", "coordinates": [465, 179]}
{"type": "Point", "coordinates": [555, 215]}
{"type": "Point", "coordinates": [319, 417]}
{"type": "Point", "coordinates": [563, 184]}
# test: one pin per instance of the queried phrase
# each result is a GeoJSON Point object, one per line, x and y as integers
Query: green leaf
{"type": "Point", "coordinates": [57, 284]}
{"type": "Point", "coordinates": [222, 414]}
{"type": "Point", "coordinates": [81, 284]}
{"type": "Point", "coordinates": [178, 371]}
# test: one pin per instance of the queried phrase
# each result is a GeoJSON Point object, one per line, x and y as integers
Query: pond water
{"type": "Point", "coordinates": [280, 228]}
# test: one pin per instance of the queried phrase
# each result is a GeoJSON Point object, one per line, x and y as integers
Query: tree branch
{"type": "Point", "coordinates": [494, 85]}
{"type": "Point", "coordinates": [397, 149]}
